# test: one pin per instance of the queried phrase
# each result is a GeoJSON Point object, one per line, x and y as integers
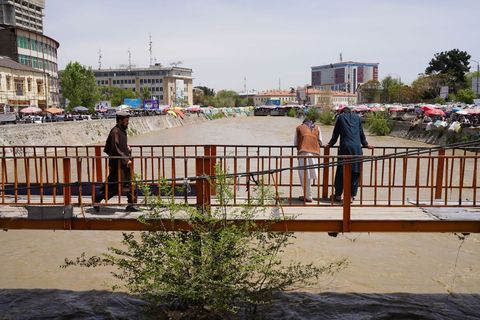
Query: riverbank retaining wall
{"type": "Point", "coordinates": [86, 132]}
{"type": "Point", "coordinates": [437, 136]}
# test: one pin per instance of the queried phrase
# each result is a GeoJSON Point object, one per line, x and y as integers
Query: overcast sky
{"type": "Point", "coordinates": [264, 41]}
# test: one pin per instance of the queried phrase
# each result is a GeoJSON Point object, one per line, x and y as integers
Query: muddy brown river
{"type": "Point", "coordinates": [389, 276]}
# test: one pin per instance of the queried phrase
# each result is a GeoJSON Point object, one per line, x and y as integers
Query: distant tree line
{"type": "Point", "coordinates": [449, 68]}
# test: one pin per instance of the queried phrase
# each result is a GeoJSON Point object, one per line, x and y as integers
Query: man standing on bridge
{"type": "Point", "coordinates": [119, 164]}
{"type": "Point", "coordinates": [308, 139]}
{"type": "Point", "coordinates": [349, 127]}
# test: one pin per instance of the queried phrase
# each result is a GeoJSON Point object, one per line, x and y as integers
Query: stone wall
{"type": "Point", "coordinates": [86, 132]}
{"type": "Point", "coordinates": [437, 136]}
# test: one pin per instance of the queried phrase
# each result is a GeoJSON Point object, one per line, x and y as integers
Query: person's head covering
{"type": "Point", "coordinates": [122, 115]}
{"type": "Point", "coordinates": [346, 110]}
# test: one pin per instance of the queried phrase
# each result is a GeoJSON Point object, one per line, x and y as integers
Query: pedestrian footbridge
{"type": "Point", "coordinates": [401, 189]}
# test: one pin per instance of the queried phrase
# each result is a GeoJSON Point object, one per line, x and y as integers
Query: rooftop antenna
{"type": "Point", "coordinates": [245, 84]}
{"type": "Point", "coordinates": [99, 59]}
{"type": "Point", "coordinates": [279, 84]}
{"type": "Point", "coordinates": [150, 50]}
{"type": "Point", "coordinates": [129, 59]}
{"type": "Point", "coordinates": [341, 58]}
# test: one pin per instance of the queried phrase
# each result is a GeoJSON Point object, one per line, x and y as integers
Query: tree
{"type": "Point", "coordinates": [465, 95]}
{"type": "Point", "coordinates": [116, 95]}
{"type": "Point", "coordinates": [453, 65]}
{"type": "Point", "coordinates": [79, 86]}
{"type": "Point", "coordinates": [145, 93]}
{"type": "Point", "coordinates": [427, 87]}
{"type": "Point", "coordinates": [226, 99]}
{"type": "Point", "coordinates": [208, 92]}
{"type": "Point", "coordinates": [370, 91]}
{"type": "Point", "coordinates": [391, 89]}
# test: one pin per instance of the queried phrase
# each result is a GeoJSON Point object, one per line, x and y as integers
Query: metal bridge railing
{"type": "Point", "coordinates": [72, 175]}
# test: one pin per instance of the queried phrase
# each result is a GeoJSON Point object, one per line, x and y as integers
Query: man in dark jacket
{"type": "Point", "coordinates": [119, 164]}
{"type": "Point", "coordinates": [349, 127]}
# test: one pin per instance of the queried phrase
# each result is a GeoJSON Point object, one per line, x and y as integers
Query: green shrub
{"type": "Point", "coordinates": [292, 112]}
{"type": "Point", "coordinates": [327, 117]}
{"type": "Point", "coordinates": [312, 114]}
{"type": "Point", "coordinates": [217, 265]}
{"type": "Point", "coordinates": [378, 123]}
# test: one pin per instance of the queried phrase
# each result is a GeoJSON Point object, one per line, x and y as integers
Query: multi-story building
{"type": "Point", "coordinates": [168, 85]}
{"type": "Point", "coordinates": [22, 40]}
{"type": "Point", "coordinates": [343, 76]}
{"type": "Point", "coordinates": [326, 98]}
{"type": "Point", "coordinates": [23, 14]}
{"type": "Point", "coordinates": [277, 97]}
{"type": "Point", "coordinates": [20, 86]}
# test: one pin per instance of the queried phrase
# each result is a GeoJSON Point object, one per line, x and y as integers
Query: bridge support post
{"type": "Point", "coordinates": [98, 164]}
{"type": "Point", "coordinates": [326, 171]}
{"type": "Point", "coordinates": [202, 186]}
{"type": "Point", "coordinates": [347, 196]}
{"type": "Point", "coordinates": [440, 172]}
{"type": "Point", "coordinates": [211, 152]}
{"type": "Point", "coordinates": [67, 194]}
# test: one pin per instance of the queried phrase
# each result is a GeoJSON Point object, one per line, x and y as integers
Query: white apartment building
{"type": "Point", "coordinates": [168, 85]}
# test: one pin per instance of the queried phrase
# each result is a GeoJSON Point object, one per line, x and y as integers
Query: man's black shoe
{"type": "Point", "coordinates": [96, 208]}
{"type": "Point", "coordinates": [132, 209]}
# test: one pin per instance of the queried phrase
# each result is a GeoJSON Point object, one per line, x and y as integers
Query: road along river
{"type": "Point", "coordinates": [390, 275]}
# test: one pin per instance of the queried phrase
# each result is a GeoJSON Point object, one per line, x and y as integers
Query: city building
{"type": "Point", "coordinates": [343, 76]}
{"type": "Point", "coordinates": [23, 14]}
{"type": "Point", "coordinates": [20, 86]}
{"type": "Point", "coordinates": [275, 97]}
{"type": "Point", "coordinates": [22, 39]}
{"type": "Point", "coordinates": [326, 98]}
{"type": "Point", "coordinates": [168, 85]}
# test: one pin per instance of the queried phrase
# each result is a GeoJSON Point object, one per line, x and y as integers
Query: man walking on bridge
{"type": "Point", "coordinates": [119, 164]}
{"type": "Point", "coordinates": [349, 127]}
{"type": "Point", "coordinates": [308, 139]}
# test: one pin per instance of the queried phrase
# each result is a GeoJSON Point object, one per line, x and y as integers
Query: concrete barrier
{"type": "Point", "coordinates": [85, 132]}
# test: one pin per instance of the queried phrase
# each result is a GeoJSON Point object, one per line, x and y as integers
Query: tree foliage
{"type": "Point", "coordinates": [79, 85]}
{"type": "Point", "coordinates": [218, 265]}
{"type": "Point", "coordinates": [453, 65]}
{"type": "Point", "coordinates": [116, 95]}
{"type": "Point", "coordinates": [465, 96]}
{"type": "Point", "coordinates": [391, 89]}
{"type": "Point", "coordinates": [371, 91]}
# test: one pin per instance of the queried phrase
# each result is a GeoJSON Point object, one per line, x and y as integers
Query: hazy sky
{"type": "Point", "coordinates": [264, 41]}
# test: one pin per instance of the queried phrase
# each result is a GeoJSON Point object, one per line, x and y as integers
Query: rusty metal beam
{"type": "Point", "coordinates": [289, 225]}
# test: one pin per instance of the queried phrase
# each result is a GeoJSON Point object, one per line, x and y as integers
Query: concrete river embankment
{"type": "Point", "coordinates": [79, 133]}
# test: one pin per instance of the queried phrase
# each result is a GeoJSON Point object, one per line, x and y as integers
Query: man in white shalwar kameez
{"type": "Point", "coordinates": [308, 139]}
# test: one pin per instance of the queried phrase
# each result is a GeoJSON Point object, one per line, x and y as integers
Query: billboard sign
{"type": "Point", "coordinates": [444, 92]}
{"type": "Point", "coordinates": [150, 104]}
{"type": "Point", "coordinates": [134, 103]}
{"type": "Point", "coordinates": [180, 90]}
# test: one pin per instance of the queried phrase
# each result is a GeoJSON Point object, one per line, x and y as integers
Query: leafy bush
{"type": "Point", "coordinates": [379, 123]}
{"type": "Point", "coordinates": [292, 112]}
{"type": "Point", "coordinates": [327, 117]}
{"type": "Point", "coordinates": [312, 114]}
{"type": "Point", "coordinates": [217, 265]}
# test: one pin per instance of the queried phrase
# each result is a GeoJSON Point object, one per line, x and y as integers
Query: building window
{"type": "Point", "coordinates": [8, 79]}
{"type": "Point", "coordinates": [19, 87]}
{"type": "Point", "coordinates": [40, 87]}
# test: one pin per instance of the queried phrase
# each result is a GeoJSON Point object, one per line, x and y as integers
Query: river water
{"type": "Point", "coordinates": [389, 276]}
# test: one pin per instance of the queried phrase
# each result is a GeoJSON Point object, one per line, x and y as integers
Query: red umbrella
{"type": "Point", "coordinates": [434, 112]}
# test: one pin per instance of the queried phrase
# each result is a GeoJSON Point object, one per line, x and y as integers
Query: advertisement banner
{"type": "Point", "coordinates": [134, 103]}
{"type": "Point", "coordinates": [150, 104]}
{"type": "Point", "coordinates": [444, 92]}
